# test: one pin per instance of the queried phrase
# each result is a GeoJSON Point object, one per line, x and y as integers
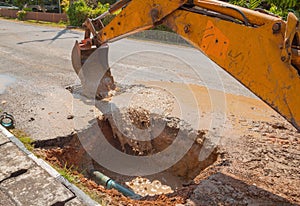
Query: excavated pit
{"type": "Point", "coordinates": [136, 131]}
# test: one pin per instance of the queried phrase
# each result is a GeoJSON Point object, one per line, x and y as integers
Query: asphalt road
{"type": "Point", "coordinates": [35, 68]}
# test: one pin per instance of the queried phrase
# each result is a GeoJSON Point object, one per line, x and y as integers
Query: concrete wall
{"type": "Point", "coordinates": [40, 16]}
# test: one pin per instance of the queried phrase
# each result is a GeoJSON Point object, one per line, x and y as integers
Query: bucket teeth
{"type": "Point", "coordinates": [91, 65]}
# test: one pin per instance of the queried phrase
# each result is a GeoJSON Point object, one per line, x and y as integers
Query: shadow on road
{"type": "Point", "coordinates": [57, 36]}
{"type": "Point", "coordinates": [221, 188]}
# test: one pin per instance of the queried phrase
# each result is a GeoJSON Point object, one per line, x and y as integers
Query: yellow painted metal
{"type": "Point", "coordinates": [254, 54]}
{"type": "Point", "coordinates": [251, 55]}
{"type": "Point", "coordinates": [254, 17]}
{"type": "Point", "coordinates": [137, 16]}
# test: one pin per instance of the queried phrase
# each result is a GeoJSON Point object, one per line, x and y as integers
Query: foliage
{"type": "Point", "coordinates": [282, 8]}
{"type": "Point", "coordinates": [297, 12]}
{"type": "Point", "coordinates": [21, 15]}
{"type": "Point", "coordinates": [27, 9]}
{"type": "Point", "coordinates": [19, 3]}
{"type": "Point", "coordinates": [64, 5]}
{"type": "Point", "coordinates": [250, 4]}
{"type": "Point", "coordinates": [108, 1]}
{"type": "Point", "coordinates": [73, 176]}
{"type": "Point", "coordinates": [61, 24]}
{"type": "Point", "coordinates": [79, 11]}
{"type": "Point", "coordinates": [67, 173]}
{"type": "Point", "coordinates": [101, 8]}
{"type": "Point", "coordinates": [162, 28]}
{"type": "Point", "coordinates": [24, 138]}
{"type": "Point", "coordinates": [284, 4]}
{"type": "Point", "coordinates": [278, 11]}
{"type": "Point", "coordinates": [278, 7]}
{"type": "Point", "coordinates": [108, 19]}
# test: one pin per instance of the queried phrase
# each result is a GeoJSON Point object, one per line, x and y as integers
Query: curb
{"type": "Point", "coordinates": [53, 173]}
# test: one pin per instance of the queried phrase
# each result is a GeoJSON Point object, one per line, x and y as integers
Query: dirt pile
{"type": "Point", "coordinates": [261, 168]}
{"type": "Point", "coordinates": [67, 153]}
{"type": "Point", "coordinates": [139, 132]}
{"type": "Point", "coordinates": [257, 161]}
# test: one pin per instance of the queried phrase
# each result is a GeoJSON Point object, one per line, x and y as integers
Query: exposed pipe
{"type": "Point", "coordinates": [111, 184]}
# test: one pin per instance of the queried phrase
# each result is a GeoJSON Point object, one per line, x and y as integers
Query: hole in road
{"type": "Point", "coordinates": [133, 131]}
{"type": "Point", "coordinates": [69, 152]}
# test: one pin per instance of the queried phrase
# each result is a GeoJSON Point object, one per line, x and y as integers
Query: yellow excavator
{"type": "Point", "coordinates": [257, 48]}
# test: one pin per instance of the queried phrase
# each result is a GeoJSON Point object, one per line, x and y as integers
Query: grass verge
{"type": "Point", "coordinates": [24, 138]}
{"type": "Point", "coordinates": [37, 22]}
{"type": "Point", "coordinates": [78, 179]}
{"type": "Point", "coordinates": [45, 23]}
{"type": "Point", "coordinates": [69, 173]}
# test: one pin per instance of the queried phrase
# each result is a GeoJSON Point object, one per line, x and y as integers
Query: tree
{"type": "Point", "coordinates": [284, 4]}
{"type": "Point", "coordinates": [108, 1]}
{"type": "Point", "coordinates": [250, 4]}
{"type": "Point", "coordinates": [19, 3]}
{"type": "Point", "coordinates": [279, 7]}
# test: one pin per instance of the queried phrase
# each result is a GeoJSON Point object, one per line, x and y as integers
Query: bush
{"type": "Point", "coordinates": [108, 19]}
{"type": "Point", "coordinates": [101, 8]}
{"type": "Point", "coordinates": [27, 9]}
{"type": "Point", "coordinates": [64, 5]}
{"type": "Point", "coordinates": [108, 1]}
{"type": "Point", "coordinates": [21, 15]}
{"type": "Point", "coordinates": [278, 7]}
{"type": "Point", "coordinates": [78, 12]}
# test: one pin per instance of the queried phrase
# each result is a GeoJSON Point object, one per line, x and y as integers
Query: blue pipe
{"type": "Point", "coordinates": [111, 184]}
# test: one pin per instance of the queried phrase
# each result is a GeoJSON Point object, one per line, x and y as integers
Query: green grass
{"type": "Point", "coordinates": [45, 23]}
{"type": "Point", "coordinates": [24, 138]}
{"type": "Point", "coordinates": [41, 23]}
{"type": "Point", "coordinates": [68, 173]}
{"type": "Point", "coordinates": [101, 199]}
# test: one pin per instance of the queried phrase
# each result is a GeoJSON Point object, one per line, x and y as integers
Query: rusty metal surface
{"type": "Point", "coordinates": [76, 57]}
{"type": "Point", "coordinates": [95, 75]}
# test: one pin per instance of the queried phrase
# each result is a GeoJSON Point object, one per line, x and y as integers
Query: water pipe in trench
{"type": "Point", "coordinates": [111, 184]}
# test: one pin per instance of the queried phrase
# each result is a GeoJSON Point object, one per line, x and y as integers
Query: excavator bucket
{"type": "Point", "coordinates": [76, 58]}
{"type": "Point", "coordinates": [91, 66]}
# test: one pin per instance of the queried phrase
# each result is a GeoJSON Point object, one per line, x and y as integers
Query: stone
{"type": "Point", "coordinates": [12, 159]}
{"type": "Point", "coordinates": [3, 139]}
{"type": "Point", "coordinates": [5, 199]}
{"type": "Point", "coordinates": [35, 187]}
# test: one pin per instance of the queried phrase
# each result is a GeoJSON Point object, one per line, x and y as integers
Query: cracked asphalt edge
{"type": "Point", "coordinates": [52, 172]}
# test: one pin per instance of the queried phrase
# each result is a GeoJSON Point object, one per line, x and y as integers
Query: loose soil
{"type": "Point", "coordinates": [256, 162]}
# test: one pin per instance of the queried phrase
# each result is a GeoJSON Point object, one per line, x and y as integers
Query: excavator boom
{"type": "Point", "coordinates": [258, 49]}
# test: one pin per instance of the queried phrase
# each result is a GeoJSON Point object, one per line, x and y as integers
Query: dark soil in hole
{"type": "Point", "coordinates": [137, 131]}
{"type": "Point", "coordinates": [72, 155]}
{"type": "Point", "coordinates": [69, 152]}
{"type": "Point", "coordinates": [258, 165]}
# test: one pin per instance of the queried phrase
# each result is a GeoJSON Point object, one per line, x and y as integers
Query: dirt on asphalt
{"type": "Point", "coordinates": [256, 161]}
{"type": "Point", "coordinates": [255, 156]}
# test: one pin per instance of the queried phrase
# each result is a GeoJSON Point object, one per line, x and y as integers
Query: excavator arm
{"type": "Point", "coordinates": [258, 49]}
